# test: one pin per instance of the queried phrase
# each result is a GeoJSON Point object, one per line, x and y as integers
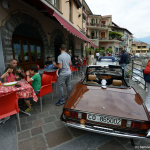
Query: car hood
{"type": "Point", "coordinates": [124, 103]}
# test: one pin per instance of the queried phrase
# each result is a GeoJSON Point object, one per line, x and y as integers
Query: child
{"type": "Point", "coordinates": [9, 75]}
{"type": "Point", "coordinates": [36, 83]}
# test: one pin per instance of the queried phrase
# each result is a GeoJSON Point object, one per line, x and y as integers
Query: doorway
{"type": "Point", "coordinates": [57, 43]}
{"type": "Point", "coordinates": [71, 47]}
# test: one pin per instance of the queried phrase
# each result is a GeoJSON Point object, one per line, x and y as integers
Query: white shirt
{"type": "Point", "coordinates": [97, 54]}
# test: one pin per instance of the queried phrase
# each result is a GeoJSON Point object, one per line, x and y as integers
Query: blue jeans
{"type": "Point", "coordinates": [124, 67]}
{"type": "Point", "coordinates": [61, 80]}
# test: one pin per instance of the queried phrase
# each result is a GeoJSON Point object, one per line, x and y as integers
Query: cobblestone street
{"type": "Point", "coordinates": [44, 130]}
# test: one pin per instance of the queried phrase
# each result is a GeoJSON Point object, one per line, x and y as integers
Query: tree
{"type": "Point", "coordinates": [109, 50]}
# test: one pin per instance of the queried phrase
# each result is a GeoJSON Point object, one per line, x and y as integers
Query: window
{"type": "Point", "coordinates": [70, 11]}
{"type": "Point", "coordinates": [55, 3]}
{"type": "Point", "coordinates": [103, 23]}
{"type": "Point", "coordinates": [27, 51]}
{"type": "Point", "coordinates": [92, 22]}
{"type": "Point", "coordinates": [102, 34]}
{"type": "Point", "coordinates": [17, 50]}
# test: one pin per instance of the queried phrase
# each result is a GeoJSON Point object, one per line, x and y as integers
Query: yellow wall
{"type": "Point", "coordinates": [64, 8]}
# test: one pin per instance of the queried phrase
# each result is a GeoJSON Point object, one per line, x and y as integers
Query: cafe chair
{"type": "Point", "coordinates": [75, 70]}
{"type": "Point", "coordinates": [39, 67]}
{"type": "Point", "coordinates": [71, 68]}
{"type": "Point", "coordinates": [9, 106]}
{"type": "Point", "coordinates": [46, 87]}
{"type": "Point", "coordinates": [54, 75]}
{"type": "Point", "coordinates": [84, 63]}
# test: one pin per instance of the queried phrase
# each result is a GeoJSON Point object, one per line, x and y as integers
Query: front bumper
{"type": "Point", "coordinates": [102, 130]}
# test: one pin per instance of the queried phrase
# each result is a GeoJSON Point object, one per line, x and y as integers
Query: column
{"type": "Point", "coordinates": [2, 64]}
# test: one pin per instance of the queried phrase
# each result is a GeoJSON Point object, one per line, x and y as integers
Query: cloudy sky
{"type": "Point", "coordinates": [131, 14]}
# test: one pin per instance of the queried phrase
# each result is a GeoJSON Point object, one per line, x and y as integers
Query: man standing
{"type": "Point", "coordinates": [97, 55]}
{"type": "Point", "coordinates": [18, 70]}
{"type": "Point", "coordinates": [64, 62]}
{"type": "Point", "coordinates": [123, 59]}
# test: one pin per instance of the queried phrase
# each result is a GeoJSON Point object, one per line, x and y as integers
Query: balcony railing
{"type": "Point", "coordinates": [103, 38]}
{"type": "Point", "coordinates": [93, 37]}
{"type": "Point", "coordinates": [110, 38]}
{"type": "Point", "coordinates": [97, 24]}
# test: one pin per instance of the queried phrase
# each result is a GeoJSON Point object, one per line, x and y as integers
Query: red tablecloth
{"type": "Point", "coordinates": [25, 91]}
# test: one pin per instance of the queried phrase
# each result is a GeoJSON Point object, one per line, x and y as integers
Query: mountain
{"type": "Point", "coordinates": [145, 39]}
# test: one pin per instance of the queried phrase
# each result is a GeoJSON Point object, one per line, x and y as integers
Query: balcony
{"type": "Point", "coordinates": [103, 38]}
{"type": "Point", "coordinates": [98, 26]}
{"type": "Point", "coordinates": [93, 37]}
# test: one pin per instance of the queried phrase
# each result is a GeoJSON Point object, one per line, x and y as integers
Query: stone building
{"type": "Point", "coordinates": [31, 30]}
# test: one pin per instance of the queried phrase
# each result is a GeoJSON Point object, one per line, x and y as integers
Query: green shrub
{"type": "Point", "coordinates": [114, 34]}
{"type": "Point", "coordinates": [109, 50]}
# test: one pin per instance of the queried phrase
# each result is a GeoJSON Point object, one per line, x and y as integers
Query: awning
{"type": "Point", "coordinates": [66, 24]}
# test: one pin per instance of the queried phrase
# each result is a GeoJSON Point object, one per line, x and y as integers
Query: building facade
{"type": "Point", "coordinates": [139, 48]}
{"type": "Point", "coordinates": [126, 40]}
{"type": "Point", "coordinates": [98, 29]}
{"type": "Point", "coordinates": [32, 30]}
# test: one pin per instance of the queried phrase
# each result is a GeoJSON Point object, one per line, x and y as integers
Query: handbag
{"type": "Point", "coordinates": [146, 77]}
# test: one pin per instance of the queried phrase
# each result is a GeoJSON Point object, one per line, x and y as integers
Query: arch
{"type": "Point", "coordinates": [93, 21]}
{"type": "Point", "coordinates": [8, 29]}
{"type": "Point", "coordinates": [71, 44]}
{"type": "Point", "coordinates": [57, 38]}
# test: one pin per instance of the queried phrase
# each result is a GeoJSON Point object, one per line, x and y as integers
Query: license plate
{"type": "Point", "coordinates": [104, 119]}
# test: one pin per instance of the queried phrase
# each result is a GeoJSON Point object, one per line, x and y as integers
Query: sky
{"type": "Point", "coordinates": [133, 15]}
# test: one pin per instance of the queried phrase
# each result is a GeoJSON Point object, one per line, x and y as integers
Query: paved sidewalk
{"type": "Point", "coordinates": [44, 130]}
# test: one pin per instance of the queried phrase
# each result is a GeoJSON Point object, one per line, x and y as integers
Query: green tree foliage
{"type": "Point", "coordinates": [100, 50]}
{"type": "Point", "coordinates": [109, 50]}
{"type": "Point", "coordinates": [114, 34]}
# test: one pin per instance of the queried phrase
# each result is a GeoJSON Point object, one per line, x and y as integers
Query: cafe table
{"type": "Point", "coordinates": [25, 91]}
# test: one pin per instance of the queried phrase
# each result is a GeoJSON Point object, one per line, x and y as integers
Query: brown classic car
{"type": "Point", "coordinates": [103, 102]}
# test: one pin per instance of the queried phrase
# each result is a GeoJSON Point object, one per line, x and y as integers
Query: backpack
{"type": "Point", "coordinates": [146, 77]}
{"type": "Point", "coordinates": [128, 60]}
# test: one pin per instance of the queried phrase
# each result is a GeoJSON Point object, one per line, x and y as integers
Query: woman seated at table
{"type": "Point", "coordinates": [9, 75]}
{"type": "Point", "coordinates": [36, 84]}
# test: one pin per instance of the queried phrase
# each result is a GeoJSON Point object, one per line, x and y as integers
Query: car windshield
{"type": "Point", "coordinates": [117, 70]}
{"type": "Point", "coordinates": [107, 59]}
{"type": "Point", "coordinates": [111, 75]}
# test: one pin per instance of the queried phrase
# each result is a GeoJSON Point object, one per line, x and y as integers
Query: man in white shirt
{"type": "Point", "coordinates": [97, 55]}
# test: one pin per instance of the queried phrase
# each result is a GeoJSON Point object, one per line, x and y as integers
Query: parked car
{"type": "Point", "coordinates": [104, 103]}
{"type": "Point", "coordinates": [136, 76]}
{"type": "Point", "coordinates": [105, 61]}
